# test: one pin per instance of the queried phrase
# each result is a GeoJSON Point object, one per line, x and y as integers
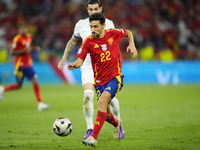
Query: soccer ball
{"type": "Point", "coordinates": [62, 126]}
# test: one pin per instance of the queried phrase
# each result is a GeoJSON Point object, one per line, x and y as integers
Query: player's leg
{"type": "Point", "coordinates": [32, 76]}
{"type": "Point", "coordinates": [19, 80]}
{"type": "Point", "coordinates": [1, 92]}
{"type": "Point", "coordinates": [19, 76]}
{"type": "Point", "coordinates": [41, 105]}
{"type": "Point", "coordinates": [114, 106]}
{"type": "Point", "coordinates": [88, 107]}
{"type": "Point", "coordinates": [116, 84]}
{"type": "Point", "coordinates": [110, 117]}
{"type": "Point", "coordinates": [13, 86]}
{"type": "Point", "coordinates": [106, 93]}
{"type": "Point", "coordinates": [100, 119]}
{"type": "Point", "coordinates": [115, 122]}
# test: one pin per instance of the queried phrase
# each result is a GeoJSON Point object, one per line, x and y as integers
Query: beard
{"type": "Point", "coordinates": [95, 34]}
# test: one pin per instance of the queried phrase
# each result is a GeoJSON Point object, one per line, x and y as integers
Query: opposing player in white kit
{"type": "Point", "coordinates": [82, 29]}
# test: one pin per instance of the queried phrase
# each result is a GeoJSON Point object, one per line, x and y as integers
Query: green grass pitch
{"type": "Point", "coordinates": [154, 118]}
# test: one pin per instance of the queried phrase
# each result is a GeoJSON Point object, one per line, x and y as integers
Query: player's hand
{"type": "Point", "coordinates": [61, 64]}
{"type": "Point", "coordinates": [132, 49]}
{"type": "Point", "coordinates": [71, 66]}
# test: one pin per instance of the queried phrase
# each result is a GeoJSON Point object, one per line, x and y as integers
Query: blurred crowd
{"type": "Point", "coordinates": [163, 29]}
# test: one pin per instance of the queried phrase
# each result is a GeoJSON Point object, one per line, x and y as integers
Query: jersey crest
{"type": "Point", "coordinates": [110, 40]}
{"type": "Point", "coordinates": [104, 47]}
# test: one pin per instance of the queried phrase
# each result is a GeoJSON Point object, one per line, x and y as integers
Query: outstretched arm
{"type": "Point", "coordinates": [68, 49]}
{"type": "Point", "coordinates": [131, 47]}
{"type": "Point", "coordinates": [78, 63]}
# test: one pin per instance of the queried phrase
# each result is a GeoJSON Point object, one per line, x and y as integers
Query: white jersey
{"type": "Point", "coordinates": [82, 29]}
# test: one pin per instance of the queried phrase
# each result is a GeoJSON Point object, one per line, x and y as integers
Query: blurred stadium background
{"type": "Point", "coordinates": [167, 36]}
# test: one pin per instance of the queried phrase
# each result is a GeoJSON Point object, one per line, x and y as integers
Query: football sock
{"type": "Point", "coordinates": [99, 121]}
{"type": "Point", "coordinates": [88, 108]}
{"type": "Point", "coordinates": [114, 106]}
{"type": "Point", "coordinates": [112, 120]}
{"type": "Point", "coordinates": [11, 87]}
{"type": "Point", "coordinates": [37, 92]}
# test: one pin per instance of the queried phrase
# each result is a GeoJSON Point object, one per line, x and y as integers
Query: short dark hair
{"type": "Point", "coordinates": [94, 2]}
{"type": "Point", "coordinates": [97, 16]}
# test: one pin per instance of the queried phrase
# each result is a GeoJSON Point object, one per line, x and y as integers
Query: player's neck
{"type": "Point", "coordinates": [102, 34]}
{"type": "Point", "coordinates": [23, 35]}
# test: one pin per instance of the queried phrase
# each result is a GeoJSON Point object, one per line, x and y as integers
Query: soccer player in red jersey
{"type": "Point", "coordinates": [21, 47]}
{"type": "Point", "coordinates": [82, 29]}
{"type": "Point", "coordinates": [107, 64]}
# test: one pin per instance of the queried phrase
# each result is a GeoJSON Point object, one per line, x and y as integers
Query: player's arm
{"type": "Point", "coordinates": [78, 63]}
{"type": "Point", "coordinates": [15, 51]}
{"type": "Point", "coordinates": [131, 47]}
{"type": "Point", "coordinates": [19, 52]}
{"type": "Point", "coordinates": [23, 51]}
{"type": "Point", "coordinates": [68, 49]}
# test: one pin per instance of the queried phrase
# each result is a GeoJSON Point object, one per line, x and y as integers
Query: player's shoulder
{"type": "Point", "coordinates": [108, 20]}
{"type": "Point", "coordinates": [110, 30]}
{"type": "Point", "coordinates": [29, 35]}
{"type": "Point", "coordinates": [115, 30]}
{"type": "Point", "coordinates": [16, 38]}
{"type": "Point", "coordinates": [89, 38]}
{"type": "Point", "coordinates": [82, 21]}
{"type": "Point", "coordinates": [109, 24]}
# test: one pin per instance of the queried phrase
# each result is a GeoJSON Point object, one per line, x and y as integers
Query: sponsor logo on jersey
{"type": "Point", "coordinates": [96, 46]}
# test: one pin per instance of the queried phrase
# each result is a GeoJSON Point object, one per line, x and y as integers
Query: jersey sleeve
{"type": "Point", "coordinates": [83, 50]}
{"type": "Point", "coordinates": [120, 33]}
{"type": "Point", "coordinates": [76, 30]}
{"type": "Point", "coordinates": [14, 42]}
{"type": "Point", "coordinates": [13, 46]}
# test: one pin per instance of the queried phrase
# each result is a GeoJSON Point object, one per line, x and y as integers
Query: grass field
{"type": "Point", "coordinates": [154, 118]}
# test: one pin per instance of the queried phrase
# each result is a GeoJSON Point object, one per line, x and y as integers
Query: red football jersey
{"type": "Point", "coordinates": [19, 43]}
{"type": "Point", "coordinates": [105, 55]}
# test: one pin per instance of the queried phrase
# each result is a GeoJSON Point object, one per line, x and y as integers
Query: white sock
{"type": "Point", "coordinates": [114, 106]}
{"type": "Point", "coordinates": [88, 107]}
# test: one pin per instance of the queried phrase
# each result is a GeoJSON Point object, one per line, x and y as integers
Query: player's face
{"type": "Point", "coordinates": [23, 30]}
{"type": "Point", "coordinates": [97, 29]}
{"type": "Point", "coordinates": [93, 8]}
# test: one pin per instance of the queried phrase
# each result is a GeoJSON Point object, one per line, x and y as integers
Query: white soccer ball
{"type": "Point", "coordinates": [62, 126]}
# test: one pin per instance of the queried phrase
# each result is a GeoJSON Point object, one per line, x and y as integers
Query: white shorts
{"type": "Point", "coordinates": [87, 75]}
